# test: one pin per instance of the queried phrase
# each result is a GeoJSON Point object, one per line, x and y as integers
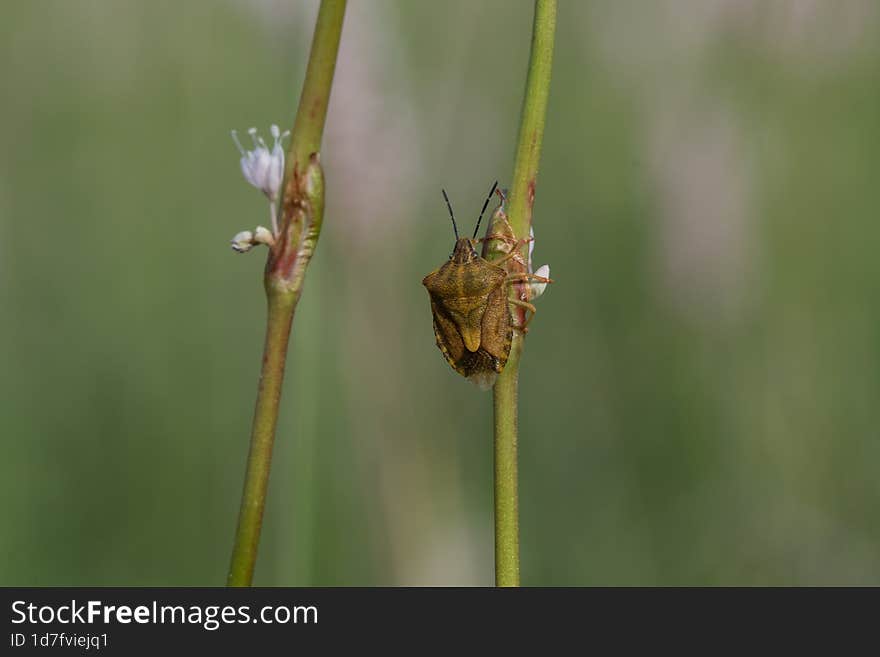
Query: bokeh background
{"type": "Point", "coordinates": [699, 393]}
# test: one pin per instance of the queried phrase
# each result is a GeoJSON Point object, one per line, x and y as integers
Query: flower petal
{"type": "Point", "coordinates": [538, 287]}
{"type": "Point", "coordinates": [243, 241]}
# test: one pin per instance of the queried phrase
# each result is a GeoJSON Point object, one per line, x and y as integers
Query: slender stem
{"type": "Point", "coordinates": [273, 216]}
{"type": "Point", "coordinates": [250, 520]}
{"type": "Point", "coordinates": [522, 199]}
{"type": "Point", "coordinates": [534, 111]}
{"type": "Point", "coordinates": [506, 495]}
{"type": "Point", "coordinates": [308, 128]}
{"type": "Point", "coordinates": [302, 215]}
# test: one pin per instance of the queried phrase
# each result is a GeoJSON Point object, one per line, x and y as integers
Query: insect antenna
{"type": "Point", "coordinates": [451, 216]}
{"type": "Point", "coordinates": [485, 205]}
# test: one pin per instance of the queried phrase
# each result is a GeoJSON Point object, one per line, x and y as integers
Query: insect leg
{"type": "Point", "coordinates": [513, 278]}
{"type": "Point", "coordinates": [514, 252]}
{"type": "Point", "coordinates": [524, 304]}
{"type": "Point", "coordinates": [498, 236]}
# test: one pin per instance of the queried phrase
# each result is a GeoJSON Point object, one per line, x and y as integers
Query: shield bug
{"type": "Point", "coordinates": [469, 302]}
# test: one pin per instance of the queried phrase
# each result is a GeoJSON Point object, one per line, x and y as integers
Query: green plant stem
{"type": "Point", "coordinates": [521, 201]}
{"type": "Point", "coordinates": [302, 209]}
{"type": "Point", "coordinates": [305, 138]}
{"type": "Point", "coordinates": [506, 478]}
{"type": "Point", "coordinates": [250, 520]}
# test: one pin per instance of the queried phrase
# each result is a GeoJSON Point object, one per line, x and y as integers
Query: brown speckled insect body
{"type": "Point", "coordinates": [471, 316]}
{"type": "Point", "coordinates": [470, 305]}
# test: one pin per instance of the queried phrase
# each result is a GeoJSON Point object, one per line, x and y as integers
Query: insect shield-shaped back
{"type": "Point", "coordinates": [471, 316]}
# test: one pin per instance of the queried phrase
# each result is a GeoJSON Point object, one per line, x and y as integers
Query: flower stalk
{"type": "Point", "coordinates": [521, 201]}
{"type": "Point", "coordinates": [291, 246]}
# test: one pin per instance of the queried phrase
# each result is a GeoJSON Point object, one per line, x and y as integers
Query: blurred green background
{"type": "Point", "coordinates": [699, 393]}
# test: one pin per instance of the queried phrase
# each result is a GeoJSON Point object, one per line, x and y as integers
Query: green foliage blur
{"type": "Point", "coordinates": [700, 388]}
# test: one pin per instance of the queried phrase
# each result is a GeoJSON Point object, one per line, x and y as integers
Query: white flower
{"type": "Point", "coordinates": [537, 287]}
{"type": "Point", "coordinates": [263, 236]}
{"type": "Point", "coordinates": [243, 241]}
{"type": "Point", "coordinates": [246, 239]}
{"type": "Point", "coordinates": [262, 168]}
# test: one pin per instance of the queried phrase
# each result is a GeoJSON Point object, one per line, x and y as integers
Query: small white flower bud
{"type": "Point", "coordinates": [538, 287]}
{"type": "Point", "coordinates": [243, 241]}
{"type": "Point", "coordinates": [263, 236]}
